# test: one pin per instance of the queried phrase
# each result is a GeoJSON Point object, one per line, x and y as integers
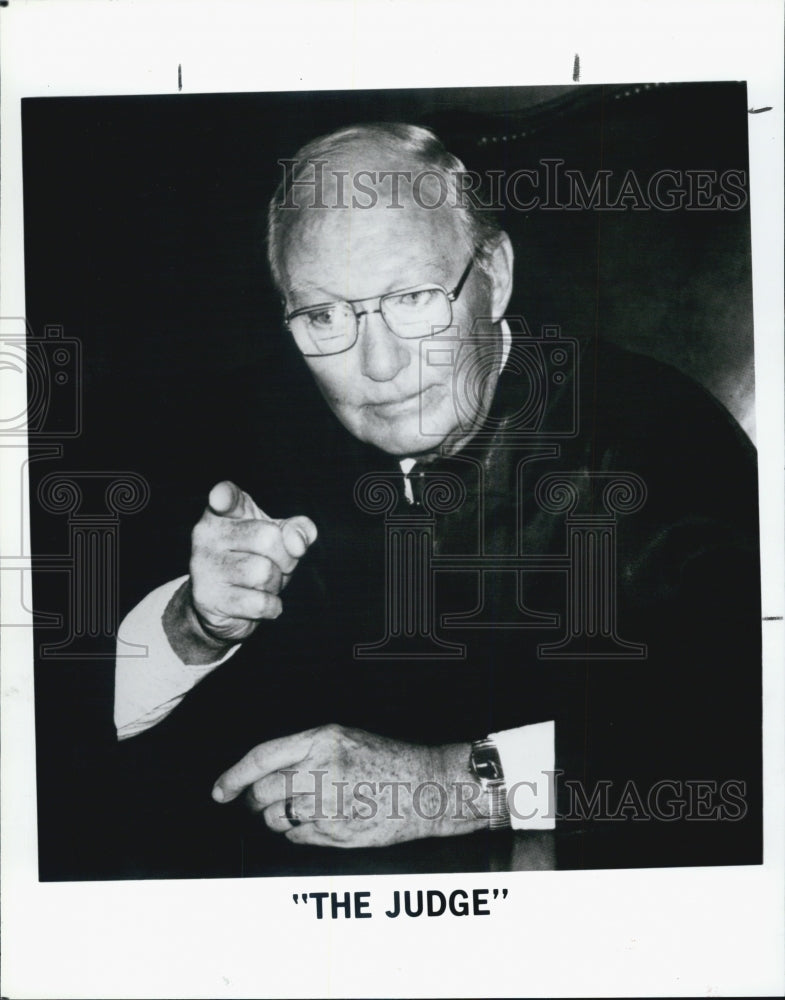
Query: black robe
{"type": "Point", "coordinates": [601, 459]}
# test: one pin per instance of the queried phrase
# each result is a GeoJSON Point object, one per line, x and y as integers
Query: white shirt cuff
{"type": "Point", "coordinates": [148, 688]}
{"type": "Point", "coordinates": [528, 756]}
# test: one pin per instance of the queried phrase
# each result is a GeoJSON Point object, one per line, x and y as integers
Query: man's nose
{"type": "Point", "coordinates": [382, 354]}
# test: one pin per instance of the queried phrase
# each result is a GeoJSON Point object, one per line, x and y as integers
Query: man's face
{"type": "Point", "coordinates": [380, 389]}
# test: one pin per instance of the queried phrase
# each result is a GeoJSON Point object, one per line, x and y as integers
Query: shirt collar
{"type": "Point", "coordinates": [506, 343]}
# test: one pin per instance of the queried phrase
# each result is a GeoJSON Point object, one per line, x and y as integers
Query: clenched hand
{"type": "Point", "coordinates": [241, 560]}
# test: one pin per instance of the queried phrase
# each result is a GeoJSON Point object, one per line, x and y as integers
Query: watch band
{"type": "Point", "coordinates": [486, 766]}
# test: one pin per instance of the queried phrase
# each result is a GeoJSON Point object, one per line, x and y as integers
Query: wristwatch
{"type": "Point", "coordinates": [486, 766]}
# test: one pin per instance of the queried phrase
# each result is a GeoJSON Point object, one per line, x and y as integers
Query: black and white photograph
{"type": "Point", "coordinates": [390, 495]}
{"type": "Point", "coordinates": [431, 539]}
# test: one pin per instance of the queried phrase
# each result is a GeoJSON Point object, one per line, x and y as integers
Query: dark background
{"type": "Point", "coordinates": [144, 241]}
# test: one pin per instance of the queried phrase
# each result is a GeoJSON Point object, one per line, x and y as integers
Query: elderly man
{"type": "Point", "coordinates": [526, 688]}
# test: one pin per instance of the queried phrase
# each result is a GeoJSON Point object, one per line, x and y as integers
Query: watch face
{"type": "Point", "coordinates": [486, 764]}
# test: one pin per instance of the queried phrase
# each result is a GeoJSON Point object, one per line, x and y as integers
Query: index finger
{"type": "Point", "coordinates": [261, 761]}
{"type": "Point", "coordinates": [228, 500]}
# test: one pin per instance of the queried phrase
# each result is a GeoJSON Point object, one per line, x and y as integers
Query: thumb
{"type": "Point", "coordinates": [228, 500]}
{"type": "Point", "coordinates": [299, 534]}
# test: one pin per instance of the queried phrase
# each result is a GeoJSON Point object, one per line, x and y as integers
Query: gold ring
{"type": "Point", "coordinates": [287, 808]}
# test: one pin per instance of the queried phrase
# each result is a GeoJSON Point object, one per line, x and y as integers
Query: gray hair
{"type": "Point", "coordinates": [410, 142]}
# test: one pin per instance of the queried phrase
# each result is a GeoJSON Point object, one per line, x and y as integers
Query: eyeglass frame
{"type": "Point", "coordinates": [450, 296]}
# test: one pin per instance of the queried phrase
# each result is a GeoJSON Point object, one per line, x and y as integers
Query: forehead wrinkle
{"type": "Point", "coordinates": [362, 253]}
{"type": "Point", "coordinates": [356, 272]}
{"type": "Point", "coordinates": [407, 273]}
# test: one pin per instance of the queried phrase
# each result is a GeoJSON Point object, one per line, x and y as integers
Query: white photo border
{"type": "Point", "coordinates": [702, 931]}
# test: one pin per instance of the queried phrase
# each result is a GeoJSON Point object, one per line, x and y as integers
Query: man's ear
{"type": "Point", "coordinates": [499, 271]}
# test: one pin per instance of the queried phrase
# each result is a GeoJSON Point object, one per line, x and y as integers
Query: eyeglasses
{"type": "Point", "coordinates": [411, 313]}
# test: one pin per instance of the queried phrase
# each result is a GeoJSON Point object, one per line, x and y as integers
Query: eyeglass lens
{"type": "Point", "coordinates": [332, 328]}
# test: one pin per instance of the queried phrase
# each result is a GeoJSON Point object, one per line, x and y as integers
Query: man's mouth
{"type": "Point", "coordinates": [402, 404]}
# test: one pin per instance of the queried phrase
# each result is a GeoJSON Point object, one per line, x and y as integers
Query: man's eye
{"type": "Point", "coordinates": [322, 319]}
{"type": "Point", "coordinates": [417, 299]}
